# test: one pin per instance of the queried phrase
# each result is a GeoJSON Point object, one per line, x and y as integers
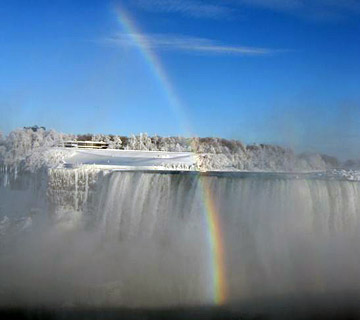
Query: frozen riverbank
{"type": "Point", "coordinates": [128, 159]}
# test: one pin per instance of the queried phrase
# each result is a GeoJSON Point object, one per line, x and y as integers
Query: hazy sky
{"type": "Point", "coordinates": [279, 71]}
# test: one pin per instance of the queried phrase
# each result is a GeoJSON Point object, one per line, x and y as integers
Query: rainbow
{"type": "Point", "coordinates": [129, 27]}
{"type": "Point", "coordinates": [212, 217]}
{"type": "Point", "coordinates": [215, 239]}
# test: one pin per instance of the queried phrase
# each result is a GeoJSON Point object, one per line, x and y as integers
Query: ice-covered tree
{"type": "Point", "coordinates": [115, 143]}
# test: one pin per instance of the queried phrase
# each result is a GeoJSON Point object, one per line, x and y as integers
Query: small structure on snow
{"type": "Point", "coordinates": [86, 144]}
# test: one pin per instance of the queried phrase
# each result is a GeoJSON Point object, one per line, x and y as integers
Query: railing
{"type": "Point", "coordinates": [86, 144]}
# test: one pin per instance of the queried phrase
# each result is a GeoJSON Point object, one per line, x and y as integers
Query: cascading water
{"type": "Point", "coordinates": [141, 239]}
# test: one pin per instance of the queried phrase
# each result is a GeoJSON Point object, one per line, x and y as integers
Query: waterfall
{"type": "Point", "coordinates": [140, 239]}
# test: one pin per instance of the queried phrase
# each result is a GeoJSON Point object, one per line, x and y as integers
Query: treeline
{"type": "Point", "coordinates": [219, 153]}
{"type": "Point", "coordinates": [32, 145]}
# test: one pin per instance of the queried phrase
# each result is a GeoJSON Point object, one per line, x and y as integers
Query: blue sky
{"type": "Point", "coordinates": [273, 71]}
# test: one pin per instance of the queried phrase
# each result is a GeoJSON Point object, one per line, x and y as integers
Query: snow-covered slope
{"type": "Point", "coordinates": [128, 159]}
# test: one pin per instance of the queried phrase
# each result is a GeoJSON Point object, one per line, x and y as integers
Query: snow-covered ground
{"type": "Point", "coordinates": [128, 159]}
{"type": "Point", "coordinates": [140, 160]}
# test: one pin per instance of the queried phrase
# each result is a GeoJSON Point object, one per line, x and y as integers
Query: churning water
{"type": "Point", "coordinates": [87, 238]}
